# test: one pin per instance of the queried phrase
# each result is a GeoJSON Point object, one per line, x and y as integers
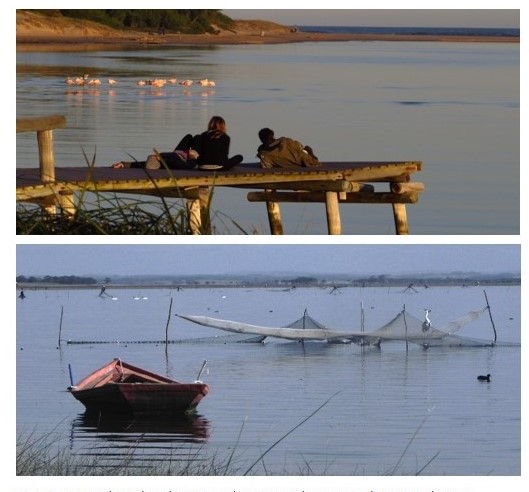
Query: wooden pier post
{"type": "Point", "coordinates": [47, 162]}
{"type": "Point", "coordinates": [194, 216]}
{"type": "Point", "coordinates": [204, 196]}
{"type": "Point", "coordinates": [401, 218]}
{"type": "Point", "coordinates": [46, 158]}
{"type": "Point", "coordinates": [274, 217]}
{"type": "Point", "coordinates": [198, 205]}
{"type": "Point", "coordinates": [334, 224]}
{"type": "Point", "coordinates": [399, 209]}
{"type": "Point", "coordinates": [67, 203]}
{"type": "Point", "coordinates": [44, 127]}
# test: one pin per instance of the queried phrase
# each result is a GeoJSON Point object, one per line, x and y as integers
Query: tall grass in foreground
{"type": "Point", "coordinates": [123, 217]}
{"type": "Point", "coordinates": [118, 216]}
{"type": "Point", "coordinates": [47, 456]}
{"type": "Point", "coordinates": [109, 213]}
{"type": "Point", "coordinates": [50, 456]}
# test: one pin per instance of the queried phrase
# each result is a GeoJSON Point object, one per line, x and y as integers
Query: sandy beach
{"type": "Point", "coordinates": [36, 32]}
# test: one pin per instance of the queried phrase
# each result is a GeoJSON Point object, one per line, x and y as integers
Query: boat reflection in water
{"type": "Point", "coordinates": [141, 440]}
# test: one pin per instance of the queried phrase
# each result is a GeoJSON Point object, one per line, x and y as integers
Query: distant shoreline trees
{"type": "Point", "coordinates": [186, 21]}
{"type": "Point", "coordinates": [62, 280]}
{"type": "Point", "coordinates": [412, 283]}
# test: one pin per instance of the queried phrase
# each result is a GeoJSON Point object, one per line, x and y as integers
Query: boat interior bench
{"type": "Point", "coordinates": [136, 379]}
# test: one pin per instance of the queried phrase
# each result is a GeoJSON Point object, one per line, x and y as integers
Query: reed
{"type": "Point", "coordinates": [114, 215]}
{"type": "Point", "coordinates": [120, 218]}
{"type": "Point", "coordinates": [49, 455]}
{"type": "Point", "coordinates": [103, 213]}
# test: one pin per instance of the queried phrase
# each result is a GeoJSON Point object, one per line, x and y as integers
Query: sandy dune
{"type": "Point", "coordinates": [33, 29]}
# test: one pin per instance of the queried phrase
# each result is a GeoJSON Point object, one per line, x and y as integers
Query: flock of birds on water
{"type": "Point", "coordinates": [86, 80]}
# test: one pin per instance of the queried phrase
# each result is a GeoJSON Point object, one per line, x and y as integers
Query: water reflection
{"type": "Point", "coordinates": [138, 438]}
{"type": "Point", "coordinates": [131, 428]}
{"type": "Point", "coordinates": [426, 90]}
{"type": "Point", "coordinates": [271, 387]}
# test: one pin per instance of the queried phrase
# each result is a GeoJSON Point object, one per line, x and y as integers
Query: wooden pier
{"type": "Point", "coordinates": [332, 184]}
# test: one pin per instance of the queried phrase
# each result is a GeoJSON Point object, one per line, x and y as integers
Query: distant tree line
{"type": "Point", "coordinates": [64, 280]}
{"type": "Point", "coordinates": [192, 21]}
{"type": "Point", "coordinates": [303, 280]}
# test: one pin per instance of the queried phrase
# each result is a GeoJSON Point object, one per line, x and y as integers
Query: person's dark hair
{"type": "Point", "coordinates": [217, 126]}
{"type": "Point", "coordinates": [265, 135]}
{"type": "Point", "coordinates": [217, 123]}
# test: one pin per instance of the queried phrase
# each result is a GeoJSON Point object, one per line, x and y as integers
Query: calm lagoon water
{"type": "Point", "coordinates": [379, 398]}
{"type": "Point", "coordinates": [455, 106]}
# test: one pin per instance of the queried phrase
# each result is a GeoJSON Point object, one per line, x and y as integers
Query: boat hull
{"type": "Point", "coordinates": [119, 387]}
{"type": "Point", "coordinates": [142, 398]}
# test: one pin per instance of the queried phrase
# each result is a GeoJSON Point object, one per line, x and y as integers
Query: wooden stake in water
{"type": "Point", "coordinates": [201, 370]}
{"type": "Point", "coordinates": [362, 323]}
{"type": "Point", "coordinates": [168, 321]}
{"type": "Point", "coordinates": [405, 325]}
{"type": "Point", "coordinates": [362, 317]}
{"type": "Point", "coordinates": [71, 375]}
{"type": "Point", "coordinates": [490, 315]}
{"type": "Point", "coordinates": [60, 325]}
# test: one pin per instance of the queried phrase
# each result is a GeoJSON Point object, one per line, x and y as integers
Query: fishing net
{"type": "Point", "coordinates": [405, 326]}
{"type": "Point", "coordinates": [458, 341]}
{"type": "Point", "coordinates": [306, 323]}
{"type": "Point", "coordinates": [457, 324]}
{"type": "Point", "coordinates": [223, 339]}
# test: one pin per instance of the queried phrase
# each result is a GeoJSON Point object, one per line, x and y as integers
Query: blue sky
{"type": "Point", "coordinates": [385, 17]}
{"type": "Point", "coordinates": [156, 259]}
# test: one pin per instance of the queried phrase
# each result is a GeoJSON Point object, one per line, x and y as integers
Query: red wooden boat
{"type": "Point", "coordinates": [119, 387]}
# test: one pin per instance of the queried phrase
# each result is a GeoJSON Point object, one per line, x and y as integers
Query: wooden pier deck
{"type": "Point", "coordinates": [332, 184]}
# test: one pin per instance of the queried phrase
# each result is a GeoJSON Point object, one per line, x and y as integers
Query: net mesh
{"type": "Point", "coordinates": [222, 339]}
{"type": "Point", "coordinates": [457, 324]}
{"type": "Point", "coordinates": [405, 326]}
{"type": "Point", "coordinates": [306, 322]}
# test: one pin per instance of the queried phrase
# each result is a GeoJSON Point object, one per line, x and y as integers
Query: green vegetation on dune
{"type": "Point", "coordinates": [191, 21]}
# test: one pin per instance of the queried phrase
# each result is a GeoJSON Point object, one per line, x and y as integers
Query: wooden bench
{"type": "Point", "coordinates": [332, 184]}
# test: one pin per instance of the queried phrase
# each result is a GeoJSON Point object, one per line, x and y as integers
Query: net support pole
{"type": "Point", "coordinates": [490, 316]}
{"type": "Point", "coordinates": [60, 326]}
{"type": "Point", "coordinates": [405, 325]}
{"type": "Point", "coordinates": [71, 375]}
{"type": "Point", "coordinates": [167, 325]}
{"type": "Point", "coordinates": [302, 340]}
{"type": "Point", "coordinates": [362, 317]}
{"type": "Point", "coordinates": [362, 323]}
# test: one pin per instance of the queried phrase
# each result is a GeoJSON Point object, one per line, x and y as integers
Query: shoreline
{"type": "Point", "coordinates": [63, 42]}
{"type": "Point", "coordinates": [280, 284]}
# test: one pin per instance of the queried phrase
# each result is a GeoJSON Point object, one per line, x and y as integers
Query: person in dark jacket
{"type": "Point", "coordinates": [284, 151]}
{"type": "Point", "coordinates": [214, 145]}
{"type": "Point", "coordinates": [208, 150]}
{"type": "Point", "coordinates": [184, 156]}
